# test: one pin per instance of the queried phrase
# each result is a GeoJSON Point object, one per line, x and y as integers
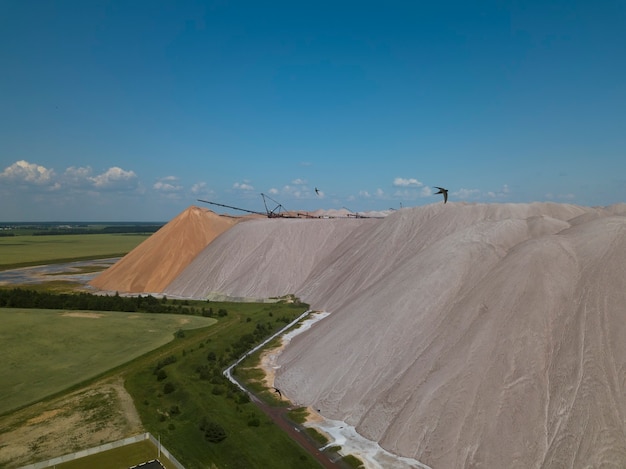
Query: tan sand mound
{"type": "Point", "coordinates": [152, 265]}
{"type": "Point", "coordinates": [461, 335]}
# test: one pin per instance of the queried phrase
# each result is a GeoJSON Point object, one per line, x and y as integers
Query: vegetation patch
{"type": "Point", "coordinates": [178, 388]}
{"type": "Point", "coordinates": [299, 415]}
{"type": "Point", "coordinates": [215, 423]}
{"type": "Point", "coordinates": [28, 250]}
{"type": "Point", "coordinates": [47, 351]}
{"type": "Point", "coordinates": [125, 456]}
{"type": "Point", "coordinates": [353, 461]}
{"type": "Point", "coordinates": [317, 436]}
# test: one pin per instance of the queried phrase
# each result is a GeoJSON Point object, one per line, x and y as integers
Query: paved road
{"type": "Point", "coordinates": [279, 416]}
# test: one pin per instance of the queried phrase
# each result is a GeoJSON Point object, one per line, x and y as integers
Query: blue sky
{"type": "Point", "coordinates": [132, 110]}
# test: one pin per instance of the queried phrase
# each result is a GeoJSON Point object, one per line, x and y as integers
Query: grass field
{"type": "Point", "coordinates": [123, 457]}
{"type": "Point", "coordinates": [194, 390]}
{"type": "Point", "coordinates": [22, 251]}
{"type": "Point", "coordinates": [46, 351]}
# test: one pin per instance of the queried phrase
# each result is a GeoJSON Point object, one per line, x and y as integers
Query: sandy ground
{"type": "Point", "coordinates": [462, 335]}
{"type": "Point", "coordinates": [98, 414]}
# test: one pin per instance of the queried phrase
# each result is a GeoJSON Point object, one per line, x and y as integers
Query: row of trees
{"type": "Point", "coordinates": [122, 229]}
{"type": "Point", "coordinates": [25, 298]}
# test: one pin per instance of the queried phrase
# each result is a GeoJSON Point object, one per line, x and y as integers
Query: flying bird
{"type": "Point", "coordinates": [317, 191]}
{"type": "Point", "coordinates": [444, 192]}
{"type": "Point", "coordinates": [276, 390]}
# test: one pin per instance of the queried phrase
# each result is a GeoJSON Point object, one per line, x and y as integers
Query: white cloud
{"type": "Point", "coordinates": [503, 192]}
{"type": "Point", "coordinates": [166, 187]}
{"type": "Point", "coordinates": [292, 191]}
{"type": "Point", "coordinates": [244, 186]}
{"type": "Point", "coordinates": [403, 182]}
{"type": "Point", "coordinates": [77, 177]}
{"type": "Point", "coordinates": [377, 194]}
{"type": "Point", "coordinates": [201, 188]}
{"type": "Point", "coordinates": [464, 194]}
{"type": "Point", "coordinates": [24, 172]}
{"type": "Point", "coordinates": [298, 190]}
{"type": "Point", "coordinates": [115, 178]}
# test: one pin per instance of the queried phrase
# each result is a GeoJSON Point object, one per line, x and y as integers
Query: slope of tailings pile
{"type": "Point", "coordinates": [472, 335]}
{"type": "Point", "coordinates": [152, 265]}
{"type": "Point", "coordinates": [264, 258]}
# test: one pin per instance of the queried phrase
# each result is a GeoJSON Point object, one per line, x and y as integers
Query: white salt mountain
{"type": "Point", "coordinates": [460, 335]}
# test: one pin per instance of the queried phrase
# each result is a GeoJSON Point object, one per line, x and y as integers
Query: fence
{"type": "Point", "coordinates": [105, 447]}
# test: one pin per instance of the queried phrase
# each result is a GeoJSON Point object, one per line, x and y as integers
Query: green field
{"type": "Point", "coordinates": [22, 251]}
{"type": "Point", "coordinates": [199, 392]}
{"type": "Point", "coordinates": [123, 457]}
{"type": "Point", "coordinates": [46, 351]}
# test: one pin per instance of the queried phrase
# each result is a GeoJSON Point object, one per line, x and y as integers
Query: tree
{"type": "Point", "coordinates": [213, 431]}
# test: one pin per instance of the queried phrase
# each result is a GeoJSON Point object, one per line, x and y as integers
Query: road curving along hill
{"type": "Point", "coordinates": [461, 335]}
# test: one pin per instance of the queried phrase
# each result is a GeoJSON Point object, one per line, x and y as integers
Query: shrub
{"type": "Point", "coordinates": [166, 361]}
{"type": "Point", "coordinates": [353, 461]}
{"type": "Point", "coordinates": [213, 432]}
{"type": "Point", "coordinates": [168, 388]}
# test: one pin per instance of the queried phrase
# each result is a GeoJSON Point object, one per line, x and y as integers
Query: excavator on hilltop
{"type": "Point", "coordinates": [277, 212]}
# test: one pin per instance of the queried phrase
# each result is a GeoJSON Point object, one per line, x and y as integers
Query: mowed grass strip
{"type": "Point", "coordinates": [47, 351]}
{"type": "Point", "coordinates": [22, 251]}
{"type": "Point", "coordinates": [123, 457]}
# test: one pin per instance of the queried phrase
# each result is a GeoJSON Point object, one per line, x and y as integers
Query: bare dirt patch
{"type": "Point", "coordinates": [48, 414]}
{"type": "Point", "coordinates": [91, 416]}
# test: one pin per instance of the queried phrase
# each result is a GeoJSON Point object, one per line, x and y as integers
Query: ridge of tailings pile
{"type": "Point", "coordinates": [460, 335]}
{"type": "Point", "coordinates": [152, 265]}
{"type": "Point", "coordinates": [265, 257]}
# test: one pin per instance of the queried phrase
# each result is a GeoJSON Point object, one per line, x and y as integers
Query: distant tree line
{"type": "Point", "coordinates": [121, 229]}
{"type": "Point", "coordinates": [24, 298]}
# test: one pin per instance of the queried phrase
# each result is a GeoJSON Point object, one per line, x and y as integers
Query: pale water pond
{"type": "Point", "coordinates": [79, 272]}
